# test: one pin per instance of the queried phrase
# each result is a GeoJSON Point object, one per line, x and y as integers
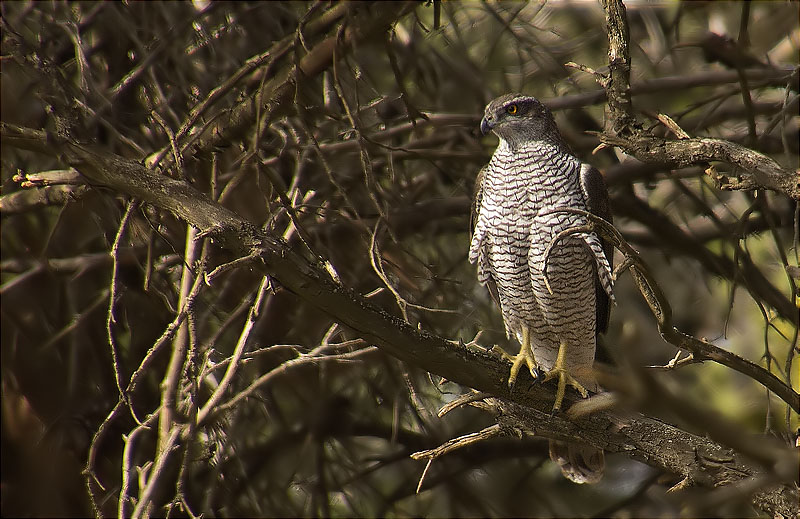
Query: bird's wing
{"type": "Point", "coordinates": [477, 196]}
{"type": "Point", "coordinates": [596, 194]}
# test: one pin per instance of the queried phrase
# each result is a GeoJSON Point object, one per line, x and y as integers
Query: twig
{"type": "Point", "coordinates": [255, 313]}
{"type": "Point", "coordinates": [457, 443]}
{"type": "Point", "coordinates": [127, 459]}
{"type": "Point", "coordinates": [132, 207]}
{"type": "Point", "coordinates": [88, 471]}
{"type": "Point", "coordinates": [366, 163]}
{"type": "Point", "coordinates": [166, 449]}
{"type": "Point", "coordinates": [377, 267]}
{"type": "Point", "coordinates": [173, 145]}
{"type": "Point", "coordinates": [465, 399]}
{"type": "Point", "coordinates": [673, 126]}
{"type": "Point", "coordinates": [677, 361]}
{"type": "Point", "coordinates": [226, 267]}
{"type": "Point", "coordinates": [172, 377]}
{"type": "Point", "coordinates": [287, 366]}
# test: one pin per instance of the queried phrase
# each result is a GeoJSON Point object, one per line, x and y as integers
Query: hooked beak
{"type": "Point", "coordinates": [486, 125]}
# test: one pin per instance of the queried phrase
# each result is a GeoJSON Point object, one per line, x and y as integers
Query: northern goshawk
{"type": "Point", "coordinates": [554, 295]}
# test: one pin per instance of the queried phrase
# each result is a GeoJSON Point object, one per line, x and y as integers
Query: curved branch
{"type": "Point", "coordinates": [659, 305]}
{"type": "Point", "coordinates": [760, 288]}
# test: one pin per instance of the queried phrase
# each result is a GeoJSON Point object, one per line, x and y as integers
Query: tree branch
{"type": "Point", "coordinates": [700, 461]}
{"type": "Point", "coordinates": [759, 170]}
{"type": "Point", "coordinates": [760, 288]}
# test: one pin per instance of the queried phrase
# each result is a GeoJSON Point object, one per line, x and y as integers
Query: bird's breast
{"type": "Point", "coordinates": [523, 182]}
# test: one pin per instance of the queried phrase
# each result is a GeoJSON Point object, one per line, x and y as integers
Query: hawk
{"type": "Point", "coordinates": [554, 296]}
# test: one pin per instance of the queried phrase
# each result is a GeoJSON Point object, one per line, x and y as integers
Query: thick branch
{"type": "Point", "coordinates": [763, 171]}
{"type": "Point", "coordinates": [619, 110]}
{"type": "Point", "coordinates": [699, 460]}
{"type": "Point", "coordinates": [639, 436]}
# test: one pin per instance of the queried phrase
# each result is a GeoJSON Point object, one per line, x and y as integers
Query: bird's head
{"type": "Point", "coordinates": [517, 118]}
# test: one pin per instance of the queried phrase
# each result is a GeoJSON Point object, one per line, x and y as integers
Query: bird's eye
{"type": "Point", "coordinates": [512, 109]}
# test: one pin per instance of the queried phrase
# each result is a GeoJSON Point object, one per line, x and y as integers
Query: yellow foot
{"type": "Point", "coordinates": [564, 378]}
{"type": "Point", "coordinates": [517, 361]}
{"type": "Point", "coordinates": [525, 356]}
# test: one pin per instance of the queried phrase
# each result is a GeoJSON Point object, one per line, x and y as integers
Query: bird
{"type": "Point", "coordinates": [549, 273]}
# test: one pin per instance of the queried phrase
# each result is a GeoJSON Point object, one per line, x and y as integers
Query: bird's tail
{"type": "Point", "coordinates": [578, 463]}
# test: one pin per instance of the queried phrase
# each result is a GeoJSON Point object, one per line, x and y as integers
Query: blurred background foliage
{"type": "Point", "coordinates": [377, 160]}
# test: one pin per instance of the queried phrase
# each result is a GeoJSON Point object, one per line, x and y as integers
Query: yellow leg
{"type": "Point", "coordinates": [525, 356]}
{"type": "Point", "coordinates": [564, 377]}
